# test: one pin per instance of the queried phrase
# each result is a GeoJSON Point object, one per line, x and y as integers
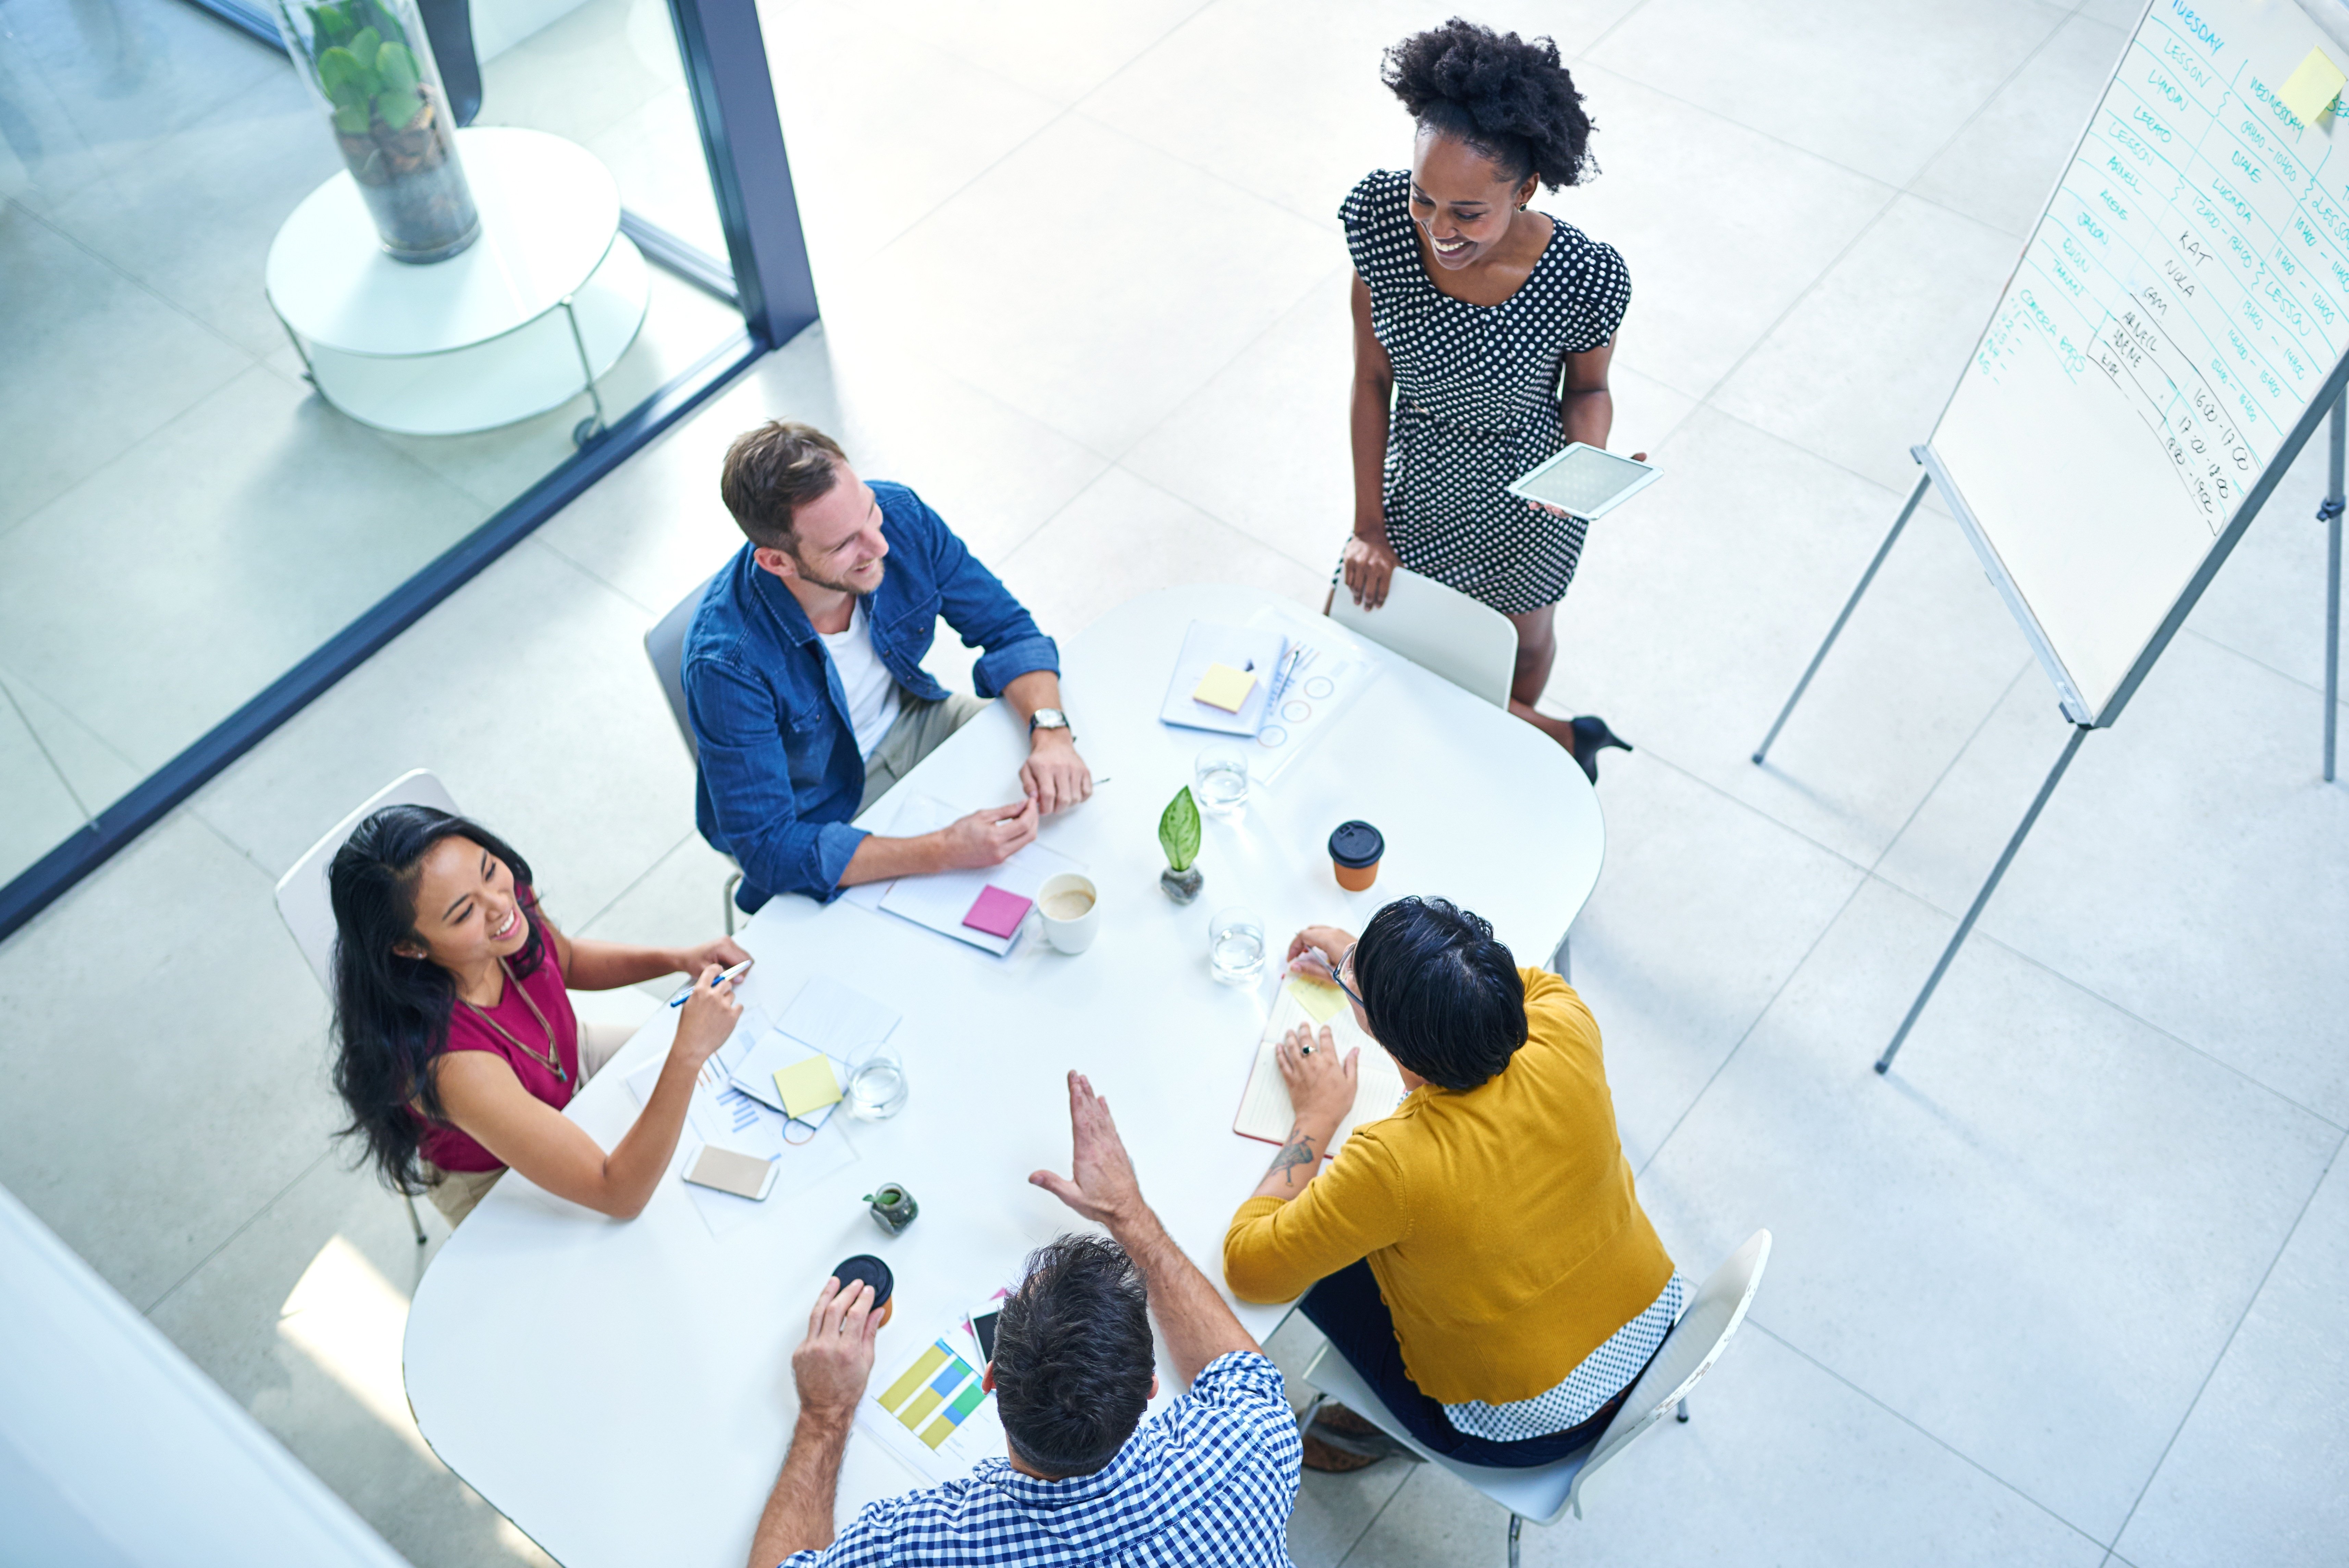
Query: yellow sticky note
{"type": "Point", "coordinates": [2311, 89]}
{"type": "Point", "coordinates": [1321, 1000]}
{"type": "Point", "coordinates": [1223, 687]}
{"type": "Point", "coordinates": [808, 1086]}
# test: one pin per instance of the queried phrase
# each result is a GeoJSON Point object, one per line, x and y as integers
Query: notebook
{"type": "Point", "coordinates": [1253, 653]}
{"type": "Point", "coordinates": [1265, 1112]}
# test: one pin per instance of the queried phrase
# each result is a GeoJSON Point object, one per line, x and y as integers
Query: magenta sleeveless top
{"type": "Point", "coordinates": [452, 1149]}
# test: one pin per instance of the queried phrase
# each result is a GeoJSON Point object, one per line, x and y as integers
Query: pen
{"type": "Point", "coordinates": [737, 973]}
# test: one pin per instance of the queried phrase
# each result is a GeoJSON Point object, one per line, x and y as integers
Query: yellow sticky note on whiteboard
{"type": "Point", "coordinates": [807, 1086]}
{"type": "Point", "coordinates": [1223, 687]}
{"type": "Point", "coordinates": [2309, 91]}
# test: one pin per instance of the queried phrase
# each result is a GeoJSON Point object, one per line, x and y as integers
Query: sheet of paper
{"type": "Point", "coordinates": [1333, 670]}
{"type": "Point", "coordinates": [941, 899]}
{"type": "Point", "coordinates": [2311, 89]}
{"type": "Point", "coordinates": [836, 1019]}
{"type": "Point", "coordinates": [1317, 999]}
{"type": "Point", "coordinates": [1223, 687]}
{"type": "Point", "coordinates": [808, 1086]}
{"type": "Point", "coordinates": [929, 1409]}
{"type": "Point", "coordinates": [731, 1119]}
{"type": "Point", "coordinates": [1265, 1110]}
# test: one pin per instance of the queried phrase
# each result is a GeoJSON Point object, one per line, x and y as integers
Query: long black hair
{"type": "Point", "coordinates": [391, 1011]}
{"type": "Point", "coordinates": [1510, 99]}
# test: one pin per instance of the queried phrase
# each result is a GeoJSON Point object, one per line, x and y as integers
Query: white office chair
{"type": "Point", "coordinates": [304, 904]}
{"type": "Point", "coordinates": [1543, 1493]}
{"type": "Point", "coordinates": [1446, 633]}
{"type": "Point", "coordinates": [1441, 630]}
{"type": "Point", "coordinates": [665, 645]}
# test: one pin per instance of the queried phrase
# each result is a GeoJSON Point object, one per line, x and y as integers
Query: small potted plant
{"type": "Point", "coordinates": [372, 64]}
{"type": "Point", "coordinates": [1178, 834]}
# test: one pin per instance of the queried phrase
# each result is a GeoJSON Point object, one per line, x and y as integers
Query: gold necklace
{"type": "Point", "coordinates": [549, 1058]}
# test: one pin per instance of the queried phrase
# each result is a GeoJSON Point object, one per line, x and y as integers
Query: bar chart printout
{"type": "Point", "coordinates": [934, 1411]}
{"type": "Point", "coordinates": [2176, 312]}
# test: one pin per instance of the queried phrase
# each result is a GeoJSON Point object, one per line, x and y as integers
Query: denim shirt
{"type": "Point", "coordinates": [781, 775]}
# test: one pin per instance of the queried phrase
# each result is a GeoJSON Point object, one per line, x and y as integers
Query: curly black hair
{"type": "Point", "coordinates": [1506, 97]}
{"type": "Point", "coordinates": [1072, 1356]}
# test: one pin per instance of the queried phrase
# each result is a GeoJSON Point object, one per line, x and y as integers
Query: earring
{"type": "Point", "coordinates": [1521, 206]}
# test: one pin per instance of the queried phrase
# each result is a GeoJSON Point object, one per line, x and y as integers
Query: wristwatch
{"type": "Point", "coordinates": [1049, 719]}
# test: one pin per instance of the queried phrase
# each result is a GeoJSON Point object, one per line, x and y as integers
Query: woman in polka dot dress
{"type": "Point", "coordinates": [1487, 328]}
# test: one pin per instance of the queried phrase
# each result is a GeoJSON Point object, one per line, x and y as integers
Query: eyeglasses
{"type": "Point", "coordinates": [1345, 962]}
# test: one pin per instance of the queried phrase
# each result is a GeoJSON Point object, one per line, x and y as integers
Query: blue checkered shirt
{"type": "Point", "coordinates": [1210, 1479]}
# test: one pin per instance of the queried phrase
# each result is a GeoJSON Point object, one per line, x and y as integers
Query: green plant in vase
{"type": "Point", "coordinates": [373, 65]}
{"type": "Point", "coordinates": [1178, 834]}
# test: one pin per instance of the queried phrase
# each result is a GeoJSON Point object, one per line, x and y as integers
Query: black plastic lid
{"type": "Point", "coordinates": [1355, 845]}
{"type": "Point", "coordinates": [864, 1266]}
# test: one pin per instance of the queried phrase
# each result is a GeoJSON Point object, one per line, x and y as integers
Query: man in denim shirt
{"type": "Point", "coordinates": [804, 685]}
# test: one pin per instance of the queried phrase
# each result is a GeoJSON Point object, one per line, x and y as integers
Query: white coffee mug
{"type": "Point", "coordinates": [1070, 906]}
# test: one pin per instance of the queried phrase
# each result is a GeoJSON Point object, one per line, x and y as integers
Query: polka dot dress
{"type": "Point", "coordinates": [1477, 400]}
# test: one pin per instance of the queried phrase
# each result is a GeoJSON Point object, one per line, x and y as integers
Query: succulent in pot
{"type": "Point", "coordinates": [371, 62]}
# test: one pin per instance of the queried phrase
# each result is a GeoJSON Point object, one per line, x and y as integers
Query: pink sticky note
{"type": "Point", "coordinates": [996, 912]}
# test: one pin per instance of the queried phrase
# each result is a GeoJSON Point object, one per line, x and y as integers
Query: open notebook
{"type": "Point", "coordinates": [1265, 1112]}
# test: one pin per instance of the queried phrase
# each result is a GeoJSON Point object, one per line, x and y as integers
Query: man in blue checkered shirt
{"type": "Point", "coordinates": [1211, 1479]}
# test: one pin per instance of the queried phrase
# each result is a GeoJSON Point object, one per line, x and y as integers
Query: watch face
{"type": "Point", "coordinates": [1049, 719]}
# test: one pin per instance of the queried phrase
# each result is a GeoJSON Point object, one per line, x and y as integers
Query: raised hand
{"type": "Point", "coordinates": [1104, 1188]}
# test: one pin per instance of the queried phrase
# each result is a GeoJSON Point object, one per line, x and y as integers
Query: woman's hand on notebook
{"type": "Point", "coordinates": [1320, 1084]}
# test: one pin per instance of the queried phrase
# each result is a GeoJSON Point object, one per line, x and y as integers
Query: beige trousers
{"type": "Point", "coordinates": [921, 728]}
{"type": "Point", "coordinates": [455, 1192]}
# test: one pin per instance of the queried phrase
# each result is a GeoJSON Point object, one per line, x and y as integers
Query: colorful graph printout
{"type": "Point", "coordinates": [934, 1412]}
{"type": "Point", "coordinates": [935, 1395]}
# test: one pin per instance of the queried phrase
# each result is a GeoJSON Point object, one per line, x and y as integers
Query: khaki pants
{"type": "Point", "coordinates": [921, 728]}
{"type": "Point", "coordinates": [455, 1192]}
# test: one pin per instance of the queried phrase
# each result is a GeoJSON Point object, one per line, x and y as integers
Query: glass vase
{"type": "Point", "coordinates": [370, 63]}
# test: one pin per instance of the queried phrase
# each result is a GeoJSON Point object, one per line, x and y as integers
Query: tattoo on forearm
{"type": "Point", "coordinates": [1298, 1151]}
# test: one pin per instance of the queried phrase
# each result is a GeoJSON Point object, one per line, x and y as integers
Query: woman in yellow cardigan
{"type": "Point", "coordinates": [1480, 1256]}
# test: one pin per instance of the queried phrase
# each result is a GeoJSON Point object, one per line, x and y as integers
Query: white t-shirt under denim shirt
{"type": "Point", "coordinates": [864, 680]}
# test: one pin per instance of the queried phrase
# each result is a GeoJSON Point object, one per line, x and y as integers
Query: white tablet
{"type": "Point", "coordinates": [1588, 480]}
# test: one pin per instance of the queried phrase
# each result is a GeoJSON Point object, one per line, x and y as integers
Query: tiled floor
{"type": "Point", "coordinates": [181, 518]}
{"type": "Point", "coordinates": [2064, 1288]}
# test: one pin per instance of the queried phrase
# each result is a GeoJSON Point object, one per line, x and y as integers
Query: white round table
{"type": "Point", "coordinates": [622, 1392]}
{"type": "Point", "coordinates": [522, 321]}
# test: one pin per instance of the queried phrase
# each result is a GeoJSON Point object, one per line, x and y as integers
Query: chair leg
{"type": "Point", "coordinates": [728, 898]}
{"type": "Point", "coordinates": [414, 1223]}
{"type": "Point", "coordinates": [1515, 1524]}
{"type": "Point", "coordinates": [1681, 1414]}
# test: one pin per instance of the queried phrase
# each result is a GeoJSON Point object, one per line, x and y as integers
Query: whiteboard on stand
{"type": "Point", "coordinates": [2173, 332]}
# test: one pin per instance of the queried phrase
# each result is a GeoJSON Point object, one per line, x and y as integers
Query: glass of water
{"type": "Point", "coordinates": [1236, 947]}
{"type": "Point", "coordinates": [876, 1089]}
{"type": "Point", "coordinates": [1219, 781]}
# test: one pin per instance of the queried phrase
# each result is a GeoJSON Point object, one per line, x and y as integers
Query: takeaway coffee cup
{"type": "Point", "coordinates": [1070, 907]}
{"type": "Point", "coordinates": [1355, 850]}
{"type": "Point", "coordinates": [871, 1271]}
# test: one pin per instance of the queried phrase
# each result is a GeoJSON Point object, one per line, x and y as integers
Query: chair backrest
{"type": "Point", "coordinates": [1687, 1352]}
{"type": "Point", "coordinates": [1441, 630]}
{"type": "Point", "coordinates": [302, 900]}
{"type": "Point", "coordinates": [665, 645]}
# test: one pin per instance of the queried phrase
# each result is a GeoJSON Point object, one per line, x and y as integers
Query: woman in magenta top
{"type": "Point", "coordinates": [457, 1048]}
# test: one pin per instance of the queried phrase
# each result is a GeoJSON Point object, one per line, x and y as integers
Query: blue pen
{"type": "Point", "coordinates": [737, 973]}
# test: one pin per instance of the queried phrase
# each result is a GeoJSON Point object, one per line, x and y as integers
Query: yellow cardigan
{"type": "Point", "coordinates": [1500, 1224]}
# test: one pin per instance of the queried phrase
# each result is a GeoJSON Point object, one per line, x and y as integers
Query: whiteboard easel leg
{"type": "Point", "coordinates": [2329, 515]}
{"type": "Point", "coordinates": [1850, 604]}
{"type": "Point", "coordinates": [2071, 747]}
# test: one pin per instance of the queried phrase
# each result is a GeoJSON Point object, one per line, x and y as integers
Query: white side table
{"type": "Point", "coordinates": [527, 316]}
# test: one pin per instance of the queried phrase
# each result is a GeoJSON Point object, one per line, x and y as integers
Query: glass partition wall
{"type": "Point", "coordinates": [229, 476]}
